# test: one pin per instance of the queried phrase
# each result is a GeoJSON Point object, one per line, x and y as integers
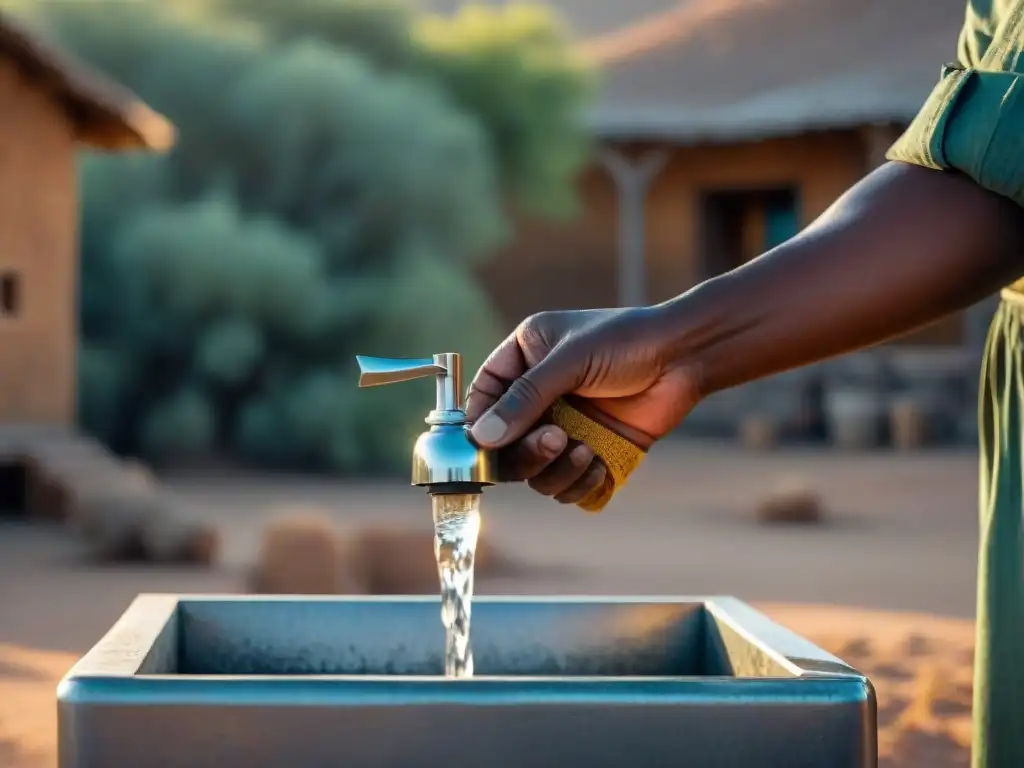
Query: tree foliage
{"type": "Point", "coordinates": [510, 66]}
{"type": "Point", "coordinates": [342, 165]}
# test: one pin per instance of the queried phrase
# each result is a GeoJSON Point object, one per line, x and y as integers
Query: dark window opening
{"type": "Point", "coordinates": [10, 295]}
{"type": "Point", "coordinates": [13, 489]}
{"type": "Point", "coordinates": [739, 225]}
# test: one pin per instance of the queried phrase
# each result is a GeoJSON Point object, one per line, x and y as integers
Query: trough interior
{"type": "Point", "coordinates": [527, 638]}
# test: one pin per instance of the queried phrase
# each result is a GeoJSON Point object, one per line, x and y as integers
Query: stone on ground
{"type": "Point", "coordinates": [307, 554]}
{"type": "Point", "coordinates": [758, 432]}
{"type": "Point", "coordinates": [169, 537]}
{"type": "Point", "coordinates": [304, 555]}
{"type": "Point", "coordinates": [793, 502]}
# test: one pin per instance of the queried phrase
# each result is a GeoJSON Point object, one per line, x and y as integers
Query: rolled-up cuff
{"type": "Point", "coordinates": [971, 123]}
{"type": "Point", "coordinates": [619, 455]}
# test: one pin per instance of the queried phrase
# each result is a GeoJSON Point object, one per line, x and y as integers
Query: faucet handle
{"type": "Point", "coordinates": [374, 371]}
{"type": "Point", "coordinates": [447, 367]}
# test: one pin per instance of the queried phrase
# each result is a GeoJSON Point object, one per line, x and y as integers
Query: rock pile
{"type": "Point", "coordinates": [118, 507]}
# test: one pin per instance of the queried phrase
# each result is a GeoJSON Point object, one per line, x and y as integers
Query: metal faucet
{"type": "Point", "coordinates": [444, 460]}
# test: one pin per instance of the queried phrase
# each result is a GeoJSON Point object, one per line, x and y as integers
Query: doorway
{"type": "Point", "coordinates": [739, 225]}
{"type": "Point", "coordinates": [13, 489]}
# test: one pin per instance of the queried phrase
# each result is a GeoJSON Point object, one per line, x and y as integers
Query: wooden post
{"type": "Point", "coordinates": [632, 180]}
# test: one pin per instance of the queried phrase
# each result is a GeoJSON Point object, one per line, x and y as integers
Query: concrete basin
{"type": "Point", "coordinates": [562, 682]}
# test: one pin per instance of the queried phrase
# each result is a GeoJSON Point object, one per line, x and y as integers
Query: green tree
{"type": "Point", "coordinates": [378, 30]}
{"type": "Point", "coordinates": [511, 67]}
{"type": "Point", "coordinates": [103, 381]}
{"type": "Point", "coordinates": [363, 160]}
{"type": "Point", "coordinates": [329, 195]}
{"type": "Point", "coordinates": [179, 427]}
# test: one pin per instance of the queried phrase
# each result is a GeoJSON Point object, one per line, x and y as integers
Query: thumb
{"type": "Point", "coordinates": [527, 398]}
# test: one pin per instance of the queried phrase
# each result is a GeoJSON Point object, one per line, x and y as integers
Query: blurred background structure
{"type": "Point", "coordinates": [338, 163]}
{"type": "Point", "coordinates": [389, 178]}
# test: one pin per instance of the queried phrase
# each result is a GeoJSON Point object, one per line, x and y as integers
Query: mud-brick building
{"type": "Point", "coordinates": [50, 105]}
{"type": "Point", "coordinates": [724, 126]}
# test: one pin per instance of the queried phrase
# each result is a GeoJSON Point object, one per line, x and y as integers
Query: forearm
{"type": "Point", "coordinates": [901, 249]}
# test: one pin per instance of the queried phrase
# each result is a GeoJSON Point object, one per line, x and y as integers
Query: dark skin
{"type": "Point", "coordinates": [902, 248]}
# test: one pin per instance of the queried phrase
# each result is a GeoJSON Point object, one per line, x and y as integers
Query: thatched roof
{"type": "Point", "coordinates": [104, 114]}
{"type": "Point", "coordinates": [716, 70]}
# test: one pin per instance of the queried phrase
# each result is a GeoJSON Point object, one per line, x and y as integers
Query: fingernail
{"type": "Point", "coordinates": [581, 455]}
{"type": "Point", "coordinates": [490, 428]}
{"type": "Point", "coordinates": [553, 441]}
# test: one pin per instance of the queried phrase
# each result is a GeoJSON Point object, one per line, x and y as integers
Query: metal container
{"type": "Point", "coordinates": [302, 682]}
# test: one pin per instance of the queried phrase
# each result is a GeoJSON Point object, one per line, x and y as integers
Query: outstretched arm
{"type": "Point", "coordinates": [904, 247]}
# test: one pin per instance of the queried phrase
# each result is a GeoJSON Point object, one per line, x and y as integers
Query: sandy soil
{"type": "Point", "coordinates": [920, 665]}
{"type": "Point", "coordinates": [886, 584]}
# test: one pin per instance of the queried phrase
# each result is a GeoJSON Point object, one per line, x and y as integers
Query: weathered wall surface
{"type": "Point", "coordinates": [38, 221]}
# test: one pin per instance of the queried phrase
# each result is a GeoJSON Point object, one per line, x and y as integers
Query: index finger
{"type": "Point", "coordinates": [503, 366]}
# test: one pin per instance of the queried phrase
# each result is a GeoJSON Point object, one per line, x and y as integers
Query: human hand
{"type": "Point", "coordinates": [614, 365]}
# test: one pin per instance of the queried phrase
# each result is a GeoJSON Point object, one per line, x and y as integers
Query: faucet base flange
{"type": "Point", "coordinates": [448, 489]}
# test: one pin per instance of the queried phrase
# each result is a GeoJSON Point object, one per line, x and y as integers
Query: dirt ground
{"type": "Point", "coordinates": [887, 582]}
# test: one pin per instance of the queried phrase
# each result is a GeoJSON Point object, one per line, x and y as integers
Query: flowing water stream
{"type": "Point", "coordinates": [456, 530]}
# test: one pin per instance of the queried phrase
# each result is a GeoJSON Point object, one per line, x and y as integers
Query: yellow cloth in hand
{"type": "Point", "coordinates": [619, 455]}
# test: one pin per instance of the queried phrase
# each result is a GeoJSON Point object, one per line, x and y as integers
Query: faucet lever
{"type": "Point", "coordinates": [374, 371]}
{"type": "Point", "coordinates": [447, 367]}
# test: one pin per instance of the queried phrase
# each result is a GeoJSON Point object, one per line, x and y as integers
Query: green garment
{"type": "Point", "coordinates": [973, 123]}
{"type": "Point", "coordinates": [998, 669]}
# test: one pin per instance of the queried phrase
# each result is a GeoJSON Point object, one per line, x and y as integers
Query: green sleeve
{"type": "Point", "coordinates": [973, 119]}
{"type": "Point", "coordinates": [976, 35]}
